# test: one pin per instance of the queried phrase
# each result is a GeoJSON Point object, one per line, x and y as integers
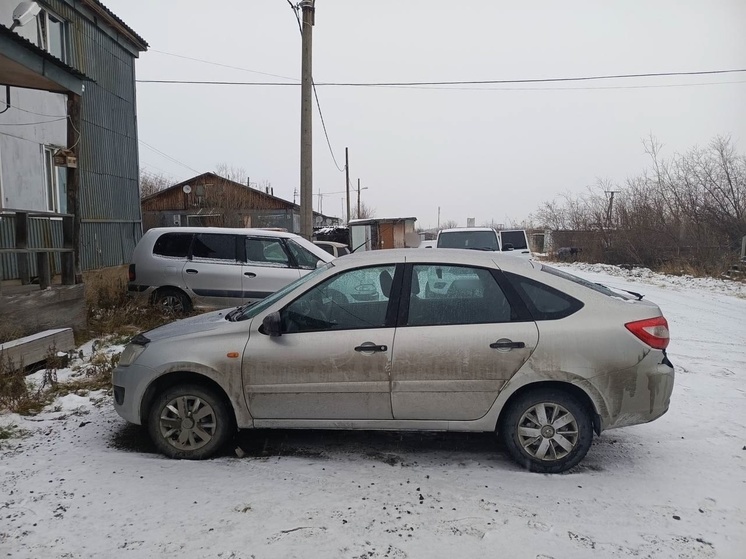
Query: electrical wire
{"type": "Point", "coordinates": [147, 145]}
{"type": "Point", "coordinates": [210, 62]}
{"type": "Point", "coordinates": [31, 123]}
{"type": "Point", "coordinates": [316, 95]}
{"type": "Point", "coordinates": [461, 82]}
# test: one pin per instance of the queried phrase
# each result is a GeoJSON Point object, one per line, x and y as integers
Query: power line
{"type": "Point", "coordinates": [316, 95]}
{"type": "Point", "coordinates": [147, 145]}
{"type": "Point", "coordinates": [460, 82]}
{"type": "Point", "coordinates": [31, 123]}
{"type": "Point", "coordinates": [210, 62]}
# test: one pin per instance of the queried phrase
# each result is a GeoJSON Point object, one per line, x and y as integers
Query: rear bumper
{"type": "Point", "coordinates": [140, 292]}
{"type": "Point", "coordinates": [638, 395]}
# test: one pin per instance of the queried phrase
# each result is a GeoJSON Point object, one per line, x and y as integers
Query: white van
{"type": "Point", "coordinates": [515, 241]}
{"type": "Point", "coordinates": [182, 268]}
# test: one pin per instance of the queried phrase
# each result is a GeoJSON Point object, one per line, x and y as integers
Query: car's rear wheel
{"type": "Point", "coordinates": [190, 422]}
{"type": "Point", "coordinates": [547, 430]}
{"type": "Point", "coordinates": [172, 301]}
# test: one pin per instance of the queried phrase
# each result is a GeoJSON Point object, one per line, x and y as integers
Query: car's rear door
{"type": "Point", "coordinates": [267, 267]}
{"type": "Point", "coordinates": [214, 271]}
{"type": "Point", "coordinates": [456, 349]}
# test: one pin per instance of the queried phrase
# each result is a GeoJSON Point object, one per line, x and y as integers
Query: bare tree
{"type": "Point", "coordinates": [232, 173]}
{"type": "Point", "coordinates": [448, 224]}
{"type": "Point", "coordinates": [366, 212]}
{"type": "Point", "coordinates": [150, 183]}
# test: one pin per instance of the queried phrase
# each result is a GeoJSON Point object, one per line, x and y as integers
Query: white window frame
{"type": "Point", "coordinates": [55, 182]}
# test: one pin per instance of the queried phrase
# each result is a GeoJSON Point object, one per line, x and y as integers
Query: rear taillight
{"type": "Point", "coordinates": [131, 272]}
{"type": "Point", "coordinates": [652, 331]}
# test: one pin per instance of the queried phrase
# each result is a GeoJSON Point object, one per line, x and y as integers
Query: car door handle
{"type": "Point", "coordinates": [507, 344]}
{"type": "Point", "coordinates": [191, 271]}
{"type": "Point", "coordinates": [249, 274]}
{"type": "Point", "coordinates": [370, 347]}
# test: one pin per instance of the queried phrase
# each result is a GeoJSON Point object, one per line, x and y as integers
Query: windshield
{"type": "Point", "coordinates": [585, 283]}
{"type": "Point", "coordinates": [256, 308]}
{"type": "Point", "coordinates": [481, 240]}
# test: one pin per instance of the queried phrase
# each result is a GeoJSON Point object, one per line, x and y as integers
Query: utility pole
{"type": "Point", "coordinates": [358, 198]}
{"type": "Point", "coordinates": [306, 121]}
{"type": "Point", "coordinates": [611, 206]}
{"type": "Point", "coordinates": [438, 218]}
{"type": "Point", "coordinates": [347, 181]}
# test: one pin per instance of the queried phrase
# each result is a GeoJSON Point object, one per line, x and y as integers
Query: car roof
{"type": "Point", "coordinates": [451, 256]}
{"type": "Point", "coordinates": [461, 229]}
{"type": "Point", "coordinates": [224, 230]}
{"type": "Point", "coordinates": [330, 243]}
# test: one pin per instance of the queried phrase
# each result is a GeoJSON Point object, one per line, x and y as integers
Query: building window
{"type": "Point", "coordinates": [53, 34]}
{"type": "Point", "coordinates": [55, 182]}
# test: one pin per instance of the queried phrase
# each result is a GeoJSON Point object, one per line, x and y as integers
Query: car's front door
{"type": "Point", "coordinates": [214, 272]}
{"type": "Point", "coordinates": [456, 345]}
{"type": "Point", "coordinates": [268, 267]}
{"type": "Point", "coordinates": [332, 360]}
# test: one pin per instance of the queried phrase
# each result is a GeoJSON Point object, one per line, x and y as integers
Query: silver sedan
{"type": "Point", "coordinates": [408, 340]}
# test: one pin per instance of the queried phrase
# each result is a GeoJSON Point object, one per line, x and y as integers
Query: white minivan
{"type": "Point", "coordinates": [181, 268]}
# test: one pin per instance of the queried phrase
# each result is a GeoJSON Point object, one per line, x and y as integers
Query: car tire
{"type": "Point", "coordinates": [190, 422]}
{"type": "Point", "coordinates": [172, 301]}
{"type": "Point", "coordinates": [547, 430]}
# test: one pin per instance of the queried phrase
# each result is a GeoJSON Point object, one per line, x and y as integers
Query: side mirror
{"type": "Point", "coordinates": [272, 325]}
{"type": "Point", "coordinates": [507, 247]}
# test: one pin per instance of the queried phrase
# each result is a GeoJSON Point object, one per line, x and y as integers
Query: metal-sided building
{"type": "Point", "coordinates": [82, 104]}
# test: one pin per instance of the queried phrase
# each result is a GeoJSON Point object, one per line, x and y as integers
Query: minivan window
{"type": "Point", "coordinates": [480, 240]}
{"type": "Point", "coordinates": [266, 252]}
{"type": "Point", "coordinates": [173, 244]}
{"type": "Point", "coordinates": [215, 246]}
{"type": "Point", "coordinates": [305, 258]}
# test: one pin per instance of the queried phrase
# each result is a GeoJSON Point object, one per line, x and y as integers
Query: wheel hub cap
{"type": "Point", "coordinates": [187, 423]}
{"type": "Point", "coordinates": [547, 431]}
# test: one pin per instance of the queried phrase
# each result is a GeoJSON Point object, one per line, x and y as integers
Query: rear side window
{"type": "Point", "coordinates": [173, 244]}
{"type": "Point", "coordinates": [266, 252]}
{"type": "Point", "coordinates": [214, 246]}
{"type": "Point", "coordinates": [305, 258]}
{"type": "Point", "coordinates": [544, 302]}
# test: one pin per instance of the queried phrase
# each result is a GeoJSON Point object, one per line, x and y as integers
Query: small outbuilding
{"type": "Point", "coordinates": [383, 232]}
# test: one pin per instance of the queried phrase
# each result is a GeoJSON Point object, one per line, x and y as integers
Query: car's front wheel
{"type": "Point", "coordinates": [547, 430]}
{"type": "Point", "coordinates": [190, 422]}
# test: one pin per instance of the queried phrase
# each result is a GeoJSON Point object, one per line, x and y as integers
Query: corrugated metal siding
{"type": "Point", "coordinates": [43, 232]}
{"type": "Point", "coordinates": [109, 189]}
{"type": "Point", "coordinates": [105, 244]}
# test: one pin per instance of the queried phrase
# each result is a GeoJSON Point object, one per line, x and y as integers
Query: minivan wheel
{"type": "Point", "coordinates": [547, 430]}
{"type": "Point", "coordinates": [189, 422]}
{"type": "Point", "coordinates": [172, 301]}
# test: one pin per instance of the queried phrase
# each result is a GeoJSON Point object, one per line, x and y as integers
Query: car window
{"type": "Point", "coordinates": [544, 302]}
{"type": "Point", "coordinates": [480, 240]}
{"type": "Point", "coordinates": [250, 311]}
{"type": "Point", "coordinates": [266, 252]}
{"type": "Point", "coordinates": [515, 238]}
{"type": "Point", "coordinates": [173, 244]}
{"type": "Point", "coordinates": [214, 246]}
{"type": "Point", "coordinates": [326, 247]}
{"type": "Point", "coordinates": [456, 295]}
{"type": "Point", "coordinates": [342, 251]}
{"type": "Point", "coordinates": [306, 259]}
{"type": "Point", "coordinates": [353, 299]}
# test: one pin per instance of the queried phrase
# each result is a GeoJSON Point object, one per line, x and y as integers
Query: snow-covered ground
{"type": "Point", "coordinates": [84, 484]}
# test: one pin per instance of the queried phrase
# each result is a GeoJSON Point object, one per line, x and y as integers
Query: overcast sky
{"type": "Point", "coordinates": [490, 154]}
